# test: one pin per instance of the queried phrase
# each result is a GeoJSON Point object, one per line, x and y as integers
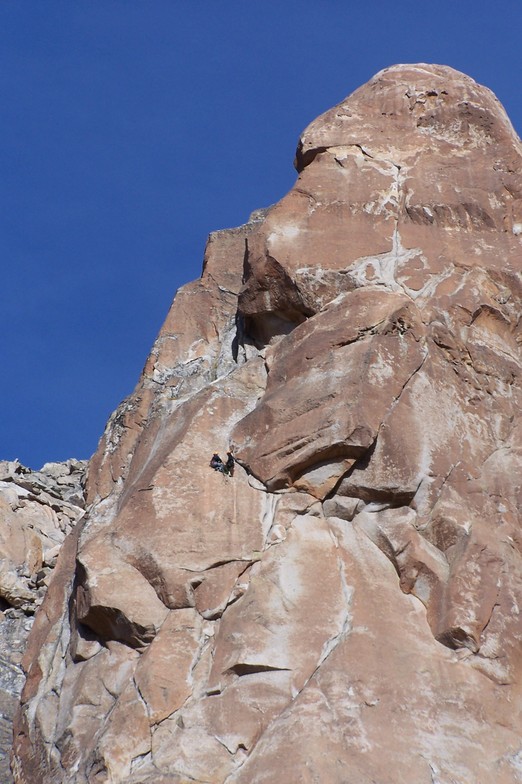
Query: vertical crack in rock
{"type": "Point", "coordinates": [332, 643]}
{"type": "Point", "coordinates": [269, 516]}
{"type": "Point", "coordinates": [327, 649]}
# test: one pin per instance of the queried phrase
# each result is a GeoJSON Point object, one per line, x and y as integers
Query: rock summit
{"type": "Point", "coordinates": [345, 608]}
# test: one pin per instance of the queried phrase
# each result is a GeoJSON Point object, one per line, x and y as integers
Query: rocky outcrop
{"type": "Point", "coordinates": [346, 606]}
{"type": "Point", "coordinates": [37, 511]}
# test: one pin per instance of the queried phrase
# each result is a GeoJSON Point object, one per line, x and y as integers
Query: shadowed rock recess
{"type": "Point", "coordinates": [345, 608]}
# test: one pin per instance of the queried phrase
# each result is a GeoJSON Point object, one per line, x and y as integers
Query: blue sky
{"type": "Point", "coordinates": [130, 130]}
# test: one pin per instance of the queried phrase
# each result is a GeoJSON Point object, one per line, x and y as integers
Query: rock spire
{"type": "Point", "coordinates": [346, 606]}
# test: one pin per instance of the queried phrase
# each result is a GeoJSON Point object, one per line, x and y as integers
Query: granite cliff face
{"type": "Point", "coordinates": [346, 606]}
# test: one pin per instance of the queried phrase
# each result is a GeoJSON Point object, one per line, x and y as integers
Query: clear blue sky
{"type": "Point", "coordinates": [130, 130]}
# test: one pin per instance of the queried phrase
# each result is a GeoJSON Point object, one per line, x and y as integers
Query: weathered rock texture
{"type": "Point", "coordinates": [346, 607]}
{"type": "Point", "coordinates": [37, 510]}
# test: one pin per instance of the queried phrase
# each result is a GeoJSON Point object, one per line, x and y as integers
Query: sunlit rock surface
{"type": "Point", "coordinates": [37, 510]}
{"type": "Point", "coordinates": [346, 606]}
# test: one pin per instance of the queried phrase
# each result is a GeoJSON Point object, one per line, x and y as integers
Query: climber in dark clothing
{"type": "Point", "coordinates": [229, 465]}
{"type": "Point", "coordinates": [225, 468]}
{"type": "Point", "coordinates": [217, 464]}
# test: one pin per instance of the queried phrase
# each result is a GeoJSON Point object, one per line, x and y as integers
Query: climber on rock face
{"type": "Point", "coordinates": [229, 465]}
{"type": "Point", "coordinates": [217, 464]}
{"type": "Point", "coordinates": [225, 468]}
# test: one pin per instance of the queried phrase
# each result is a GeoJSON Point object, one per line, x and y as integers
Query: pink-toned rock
{"type": "Point", "coordinates": [329, 387]}
{"type": "Point", "coordinates": [215, 590]}
{"type": "Point", "coordinates": [115, 600]}
{"type": "Point", "coordinates": [126, 738]}
{"type": "Point", "coordinates": [163, 675]}
{"type": "Point", "coordinates": [345, 606]}
{"type": "Point", "coordinates": [263, 630]}
{"type": "Point", "coordinates": [377, 692]}
{"type": "Point", "coordinates": [197, 343]}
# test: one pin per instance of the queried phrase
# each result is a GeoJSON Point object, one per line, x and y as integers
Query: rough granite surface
{"type": "Point", "coordinates": [346, 607]}
{"type": "Point", "coordinates": [37, 510]}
